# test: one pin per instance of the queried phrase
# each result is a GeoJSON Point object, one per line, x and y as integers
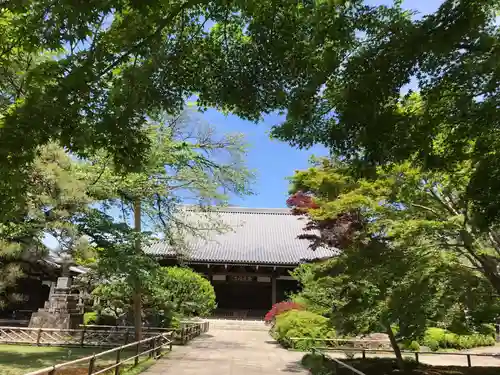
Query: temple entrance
{"type": "Point", "coordinates": [243, 295]}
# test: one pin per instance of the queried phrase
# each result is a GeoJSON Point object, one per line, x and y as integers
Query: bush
{"type": "Point", "coordinates": [93, 317]}
{"type": "Point", "coordinates": [439, 338]}
{"type": "Point", "coordinates": [169, 294]}
{"type": "Point", "coordinates": [487, 329]}
{"type": "Point", "coordinates": [301, 324]}
{"type": "Point", "coordinates": [280, 308]}
{"type": "Point", "coordinates": [90, 318]}
{"type": "Point", "coordinates": [187, 292]}
{"type": "Point", "coordinates": [414, 345]}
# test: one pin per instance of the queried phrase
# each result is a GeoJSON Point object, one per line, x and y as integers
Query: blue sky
{"type": "Point", "coordinates": [274, 161]}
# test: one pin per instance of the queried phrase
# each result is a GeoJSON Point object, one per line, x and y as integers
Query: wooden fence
{"type": "Point", "coordinates": [152, 347]}
{"type": "Point", "coordinates": [185, 333]}
{"type": "Point", "coordinates": [101, 336]}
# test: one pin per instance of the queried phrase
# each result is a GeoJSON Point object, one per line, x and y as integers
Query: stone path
{"type": "Point", "coordinates": [229, 352]}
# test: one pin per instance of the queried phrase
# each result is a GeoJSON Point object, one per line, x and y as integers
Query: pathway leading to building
{"type": "Point", "coordinates": [229, 352]}
{"type": "Point", "coordinates": [245, 348]}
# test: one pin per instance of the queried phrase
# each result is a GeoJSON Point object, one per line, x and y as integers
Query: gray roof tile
{"type": "Point", "coordinates": [257, 236]}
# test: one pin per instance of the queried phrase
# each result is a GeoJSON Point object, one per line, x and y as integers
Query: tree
{"type": "Point", "coordinates": [187, 163]}
{"type": "Point", "coordinates": [448, 58]}
{"type": "Point", "coordinates": [408, 244]}
{"type": "Point", "coordinates": [400, 203]}
{"type": "Point", "coordinates": [115, 64]}
{"type": "Point", "coordinates": [55, 199]}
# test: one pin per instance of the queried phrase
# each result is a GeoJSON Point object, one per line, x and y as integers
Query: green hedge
{"type": "Point", "coordinates": [295, 323]}
{"type": "Point", "coordinates": [439, 338]}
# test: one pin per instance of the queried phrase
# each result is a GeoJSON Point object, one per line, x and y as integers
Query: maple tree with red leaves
{"type": "Point", "coordinates": [332, 232]}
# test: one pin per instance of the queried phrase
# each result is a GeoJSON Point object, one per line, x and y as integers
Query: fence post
{"type": "Point", "coordinates": [117, 368]}
{"type": "Point", "coordinates": [469, 364]}
{"type": "Point", "coordinates": [137, 348]}
{"type": "Point", "coordinates": [336, 366]}
{"type": "Point", "coordinates": [82, 338]}
{"type": "Point", "coordinates": [151, 348]}
{"type": "Point", "coordinates": [364, 354]}
{"type": "Point", "coordinates": [158, 344]}
{"type": "Point", "coordinates": [126, 336]}
{"type": "Point", "coordinates": [38, 336]}
{"type": "Point", "coordinates": [183, 335]}
{"type": "Point", "coordinates": [416, 357]}
{"type": "Point", "coordinates": [91, 365]}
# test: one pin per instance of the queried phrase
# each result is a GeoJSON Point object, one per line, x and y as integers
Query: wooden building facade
{"type": "Point", "coordinates": [248, 265]}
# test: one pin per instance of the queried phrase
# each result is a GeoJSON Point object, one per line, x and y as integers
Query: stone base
{"type": "Point", "coordinates": [44, 319]}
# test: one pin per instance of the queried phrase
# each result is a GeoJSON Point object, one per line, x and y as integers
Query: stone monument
{"type": "Point", "coordinates": [62, 309]}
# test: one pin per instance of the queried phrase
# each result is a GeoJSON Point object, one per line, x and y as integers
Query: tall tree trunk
{"type": "Point", "coordinates": [395, 347]}
{"type": "Point", "coordinates": [137, 287]}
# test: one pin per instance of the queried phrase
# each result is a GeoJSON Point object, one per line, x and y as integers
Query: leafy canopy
{"type": "Point", "coordinates": [90, 75]}
{"type": "Point", "coordinates": [362, 108]}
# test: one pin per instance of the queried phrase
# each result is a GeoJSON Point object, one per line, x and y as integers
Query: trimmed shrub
{"type": "Point", "coordinates": [187, 292]}
{"type": "Point", "coordinates": [301, 324]}
{"type": "Point", "coordinates": [439, 338]}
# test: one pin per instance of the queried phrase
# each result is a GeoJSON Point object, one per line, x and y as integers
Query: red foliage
{"type": "Point", "coordinates": [339, 231]}
{"type": "Point", "coordinates": [301, 202]}
{"type": "Point", "coordinates": [280, 308]}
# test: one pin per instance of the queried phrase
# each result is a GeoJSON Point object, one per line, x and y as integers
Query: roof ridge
{"type": "Point", "coordinates": [252, 210]}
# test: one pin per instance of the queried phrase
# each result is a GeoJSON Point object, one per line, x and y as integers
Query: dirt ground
{"type": "Point", "coordinates": [386, 366]}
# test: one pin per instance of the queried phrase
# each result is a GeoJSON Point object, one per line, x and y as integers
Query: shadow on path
{"type": "Point", "coordinates": [230, 353]}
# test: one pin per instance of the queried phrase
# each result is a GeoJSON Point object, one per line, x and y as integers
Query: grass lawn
{"type": "Point", "coordinates": [387, 366]}
{"type": "Point", "coordinates": [19, 360]}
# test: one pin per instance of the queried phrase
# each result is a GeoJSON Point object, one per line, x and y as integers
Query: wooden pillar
{"type": "Point", "coordinates": [273, 286]}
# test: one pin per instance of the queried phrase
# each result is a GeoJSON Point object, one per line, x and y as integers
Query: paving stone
{"type": "Point", "coordinates": [252, 352]}
{"type": "Point", "coordinates": [229, 352]}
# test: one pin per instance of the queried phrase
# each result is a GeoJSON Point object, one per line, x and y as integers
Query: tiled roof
{"type": "Point", "coordinates": [257, 236]}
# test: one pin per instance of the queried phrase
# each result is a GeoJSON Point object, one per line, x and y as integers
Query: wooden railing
{"type": "Point", "coordinates": [152, 346]}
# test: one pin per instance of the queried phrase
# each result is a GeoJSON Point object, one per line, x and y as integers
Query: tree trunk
{"type": "Point", "coordinates": [137, 287]}
{"type": "Point", "coordinates": [395, 347]}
